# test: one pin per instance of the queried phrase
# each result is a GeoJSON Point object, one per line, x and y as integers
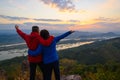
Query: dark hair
{"type": "Point", "coordinates": [44, 34]}
{"type": "Point", "coordinates": [35, 29]}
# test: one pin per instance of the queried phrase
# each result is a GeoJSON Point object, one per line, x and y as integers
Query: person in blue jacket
{"type": "Point", "coordinates": [50, 55]}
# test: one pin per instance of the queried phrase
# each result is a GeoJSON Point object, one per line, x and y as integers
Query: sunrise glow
{"type": "Point", "coordinates": [81, 15]}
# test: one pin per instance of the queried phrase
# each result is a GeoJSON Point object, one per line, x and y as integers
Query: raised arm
{"type": "Point", "coordinates": [35, 52]}
{"type": "Point", "coordinates": [63, 35]}
{"type": "Point", "coordinates": [22, 34]}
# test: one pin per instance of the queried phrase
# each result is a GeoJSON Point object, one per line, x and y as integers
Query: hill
{"type": "Point", "coordinates": [83, 35]}
{"type": "Point", "coordinates": [97, 52]}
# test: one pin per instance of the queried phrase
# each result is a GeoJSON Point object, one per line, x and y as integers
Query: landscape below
{"type": "Point", "coordinates": [96, 61]}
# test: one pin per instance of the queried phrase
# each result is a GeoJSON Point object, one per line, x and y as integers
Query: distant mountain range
{"type": "Point", "coordinates": [11, 37]}
{"type": "Point", "coordinates": [97, 52]}
{"type": "Point", "coordinates": [92, 35]}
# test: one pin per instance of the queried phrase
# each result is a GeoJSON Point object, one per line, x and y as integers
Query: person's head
{"type": "Point", "coordinates": [44, 34]}
{"type": "Point", "coordinates": [35, 29]}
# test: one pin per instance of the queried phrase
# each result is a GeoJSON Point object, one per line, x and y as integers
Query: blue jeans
{"type": "Point", "coordinates": [48, 70]}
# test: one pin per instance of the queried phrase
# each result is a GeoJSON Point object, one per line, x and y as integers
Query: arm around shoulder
{"type": "Point", "coordinates": [35, 52]}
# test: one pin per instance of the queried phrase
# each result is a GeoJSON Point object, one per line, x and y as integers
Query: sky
{"type": "Point", "coordinates": [62, 15]}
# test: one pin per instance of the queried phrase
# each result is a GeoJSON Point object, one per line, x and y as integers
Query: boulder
{"type": "Point", "coordinates": [71, 77]}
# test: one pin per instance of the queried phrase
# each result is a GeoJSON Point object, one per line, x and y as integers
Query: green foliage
{"type": "Point", "coordinates": [67, 65]}
{"type": "Point", "coordinates": [12, 67]}
{"type": "Point", "coordinates": [97, 52]}
{"type": "Point", "coordinates": [108, 71]}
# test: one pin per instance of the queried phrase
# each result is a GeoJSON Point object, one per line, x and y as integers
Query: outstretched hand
{"type": "Point", "coordinates": [16, 26]}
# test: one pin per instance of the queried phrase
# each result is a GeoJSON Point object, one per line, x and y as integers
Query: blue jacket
{"type": "Point", "coordinates": [49, 52]}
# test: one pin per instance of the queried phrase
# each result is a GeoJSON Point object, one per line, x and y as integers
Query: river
{"type": "Point", "coordinates": [8, 54]}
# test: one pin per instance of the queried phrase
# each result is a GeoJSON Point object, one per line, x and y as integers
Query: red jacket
{"type": "Point", "coordinates": [32, 41]}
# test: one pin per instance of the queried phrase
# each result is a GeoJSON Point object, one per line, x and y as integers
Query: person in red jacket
{"type": "Point", "coordinates": [32, 41]}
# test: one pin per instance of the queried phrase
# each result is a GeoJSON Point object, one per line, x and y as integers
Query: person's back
{"type": "Point", "coordinates": [31, 41]}
{"type": "Point", "coordinates": [49, 52]}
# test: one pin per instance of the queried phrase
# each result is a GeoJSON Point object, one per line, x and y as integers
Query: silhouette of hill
{"type": "Point", "coordinates": [97, 52]}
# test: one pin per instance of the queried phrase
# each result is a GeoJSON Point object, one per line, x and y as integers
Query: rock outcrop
{"type": "Point", "coordinates": [71, 77]}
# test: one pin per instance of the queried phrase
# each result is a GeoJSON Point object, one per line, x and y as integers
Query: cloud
{"type": "Point", "coordinates": [74, 21]}
{"type": "Point", "coordinates": [63, 5]}
{"type": "Point", "coordinates": [49, 25]}
{"type": "Point", "coordinates": [102, 24]}
{"type": "Point", "coordinates": [106, 19]}
{"type": "Point", "coordinates": [98, 27]}
{"type": "Point", "coordinates": [13, 18]}
{"type": "Point", "coordinates": [55, 20]}
{"type": "Point", "coordinates": [48, 20]}
{"type": "Point", "coordinates": [24, 18]}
